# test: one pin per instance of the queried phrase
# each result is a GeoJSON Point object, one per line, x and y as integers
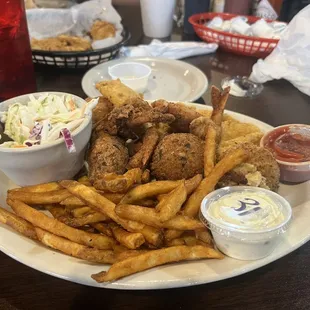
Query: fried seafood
{"type": "Point", "coordinates": [102, 109]}
{"type": "Point", "coordinates": [116, 92]}
{"type": "Point", "coordinates": [61, 43]}
{"type": "Point", "coordinates": [143, 155]}
{"type": "Point", "coordinates": [183, 115]}
{"type": "Point", "coordinates": [260, 169]}
{"type": "Point", "coordinates": [129, 119]}
{"type": "Point", "coordinates": [107, 154]}
{"type": "Point", "coordinates": [178, 156]}
{"type": "Point", "coordinates": [101, 30]}
{"type": "Point", "coordinates": [218, 101]}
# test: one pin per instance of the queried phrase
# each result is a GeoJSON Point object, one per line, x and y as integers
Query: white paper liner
{"type": "Point", "coordinates": [76, 21]}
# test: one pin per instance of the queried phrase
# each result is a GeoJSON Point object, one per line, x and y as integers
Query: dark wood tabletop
{"type": "Point", "coordinates": [283, 284]}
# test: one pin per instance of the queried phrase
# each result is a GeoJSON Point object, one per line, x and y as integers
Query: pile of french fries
{"type": "Point", "coordinates": [131, 222]}
{"type": "Point", "coordinates": [149, 225]}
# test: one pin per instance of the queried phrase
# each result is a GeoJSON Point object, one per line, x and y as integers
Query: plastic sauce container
{"type": "Point", "coordinates": [246, 222]}
{"type": "Point", "coordinates": [290, 145]}
{"type": "Point", "coordinates": [133, 74]}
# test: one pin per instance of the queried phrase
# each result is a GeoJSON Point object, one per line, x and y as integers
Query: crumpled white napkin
{"type": "Point", "coordinates": [290, 60]}
{"type": "Point", "coordinates": [171, 50]}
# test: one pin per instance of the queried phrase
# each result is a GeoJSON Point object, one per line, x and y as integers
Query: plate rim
{"type": "Point", "coordinates": [177, 283]}
{"type": "Point", "coordinates": [205, 81]}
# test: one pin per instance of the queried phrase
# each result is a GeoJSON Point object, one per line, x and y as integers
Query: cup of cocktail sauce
{"type": "Point", "coordinates": [290, 145]}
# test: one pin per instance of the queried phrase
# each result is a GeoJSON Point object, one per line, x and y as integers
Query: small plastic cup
{"type": "Point", "coordinates": [241, 241]}
{"type": "Point", "coordinates": [292, 172]}
{"type": "Point", "coordinates": [132, 74]}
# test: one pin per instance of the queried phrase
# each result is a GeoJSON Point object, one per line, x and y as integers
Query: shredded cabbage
{"type": "Point", "coordinates": [43, 119]}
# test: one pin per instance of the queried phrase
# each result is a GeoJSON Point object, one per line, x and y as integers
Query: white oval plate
{"type": "Point", "coordinates": [170, 79]}
{"type": "Point", "coordinates": [183, 274]}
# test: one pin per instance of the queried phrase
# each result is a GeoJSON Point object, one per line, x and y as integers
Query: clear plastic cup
{"type": "Point", "coordinates": [132, 74]}
{"type": "Point", "coordinates": [241, 241]}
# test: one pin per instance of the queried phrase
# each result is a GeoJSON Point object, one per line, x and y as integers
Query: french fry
{"type": "Point", "coordinates": [56, 211]}
{"type": "Point", "coordinates": [40, 188]}
{"type": "Point", "coordinates": [204, 235]}
{"type": "Point", "coordinates": [82, 211]}
{"type": "Point", "coordinates": [83, 220]}
{"type": "Point", "coordinates": [150, 217]}
{"type": "Point", "coordinates": [149, 190]}
{"type": "Point", "coordinates": [210, 149]}
{"type": "Point", "coordinates": [54, 226]}
{"type": "Point", "coordinates": [172, 234]}
{"type": "Point", "coordinates": [114, 197]}
{"type": "Point", "coordinates": [99, 203]}
{"type": "Point", "coordinates": [17, 223]}
{"type": "Point", "coordinates": [115, 183]}
{"type": "Point", "coordinates": [130, 240]}
{"type": "Point", "coordinates": [103, 228]}
{"type": "Point", "coordinates": [143, 156]}
{"type": "Point", "coordinates": [230, 161]}
{"type": "Point", "coordinates": [74, 249]}
{"type": "Point", "coordinates": [35, 198]}
{"type": "Point", "coordinates": [171, 204]}
{"type": "Point", "coordinates": [150, 203]}
{"type": "Point", "coordinates": [84, 180]}
{"type": "Point", "coordinates": [129, 253]}
{"type": "Point", "coordinates": [146, 176]}
{"type": "Point", "coordinates": [155, 258]}
{"type": "Point", "coordinates": [152, 235]}
{"type": "Point", "coordinates": [192, 183]}
{"type": "Point", "coordinates": [174, 242]}
{"type": "Point", "coordinates": [72, 201]}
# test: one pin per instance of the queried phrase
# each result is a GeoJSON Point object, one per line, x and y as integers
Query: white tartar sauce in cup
{"type": "Point", "coordinates": [246, 222]}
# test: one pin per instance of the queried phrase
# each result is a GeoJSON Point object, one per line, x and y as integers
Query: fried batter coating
{"type": "Point", "coordinates": [143, 156]}
{"type": "Point", "coordinates": [101, 110]}
{"type": "Point", "coordinates": [127, 119]}
{"type": "Point", "coordinates": [63, 43]}
{"type": "Point", "coordinates": [101, 30]}
{"type": "Point", "coordinates": [107, 154]}
{"type": "Point", "coordinates": [116, 92]}
{"type": "Point", "coordinates": [183, 115]}
{"type": "Point", "coordinates": [178, 156]}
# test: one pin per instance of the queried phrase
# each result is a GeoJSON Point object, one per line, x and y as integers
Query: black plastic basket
{"type": "Point", "coordinates": [79, 60]}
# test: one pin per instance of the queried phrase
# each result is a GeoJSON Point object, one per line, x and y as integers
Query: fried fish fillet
{"type": "Point", "coordinates": [64, 43]}
{"type": "Point", "coordinates": [116, 92]}
{"type": "Point", "coordinates": [101, 30]}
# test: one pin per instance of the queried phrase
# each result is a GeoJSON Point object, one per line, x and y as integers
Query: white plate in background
{"type": "Point", "coordinates": [172, 80]}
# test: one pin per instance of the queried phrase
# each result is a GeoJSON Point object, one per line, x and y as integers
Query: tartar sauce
{"type": "Point", "coordinates": [247, 211]}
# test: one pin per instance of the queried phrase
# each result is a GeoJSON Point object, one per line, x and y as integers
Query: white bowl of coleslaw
{"type": "Point", "coordinates": [50, 133]}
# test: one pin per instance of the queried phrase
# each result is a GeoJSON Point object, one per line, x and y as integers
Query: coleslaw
{"type": "Point", "coordinates": [43, 120]}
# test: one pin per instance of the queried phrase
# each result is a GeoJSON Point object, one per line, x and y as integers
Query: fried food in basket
{"type": "Point", "coordinates": [62, 43]}
{"type": "Point", "coordinates": [101, 30]}
{"type": "Point", "coordinates": [177, 156]}
{"type": "Point", "coordinates": [155, 258]}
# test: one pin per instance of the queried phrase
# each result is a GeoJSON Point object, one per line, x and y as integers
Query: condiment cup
{"type": "Point", "coordinates": [294, 172]}
{"type": "Point", "coordinates": [48, 162]}
{"type": "Point", "coordinates": [134, 75]}
{"type": "Point", "coordinates": [246, 228]}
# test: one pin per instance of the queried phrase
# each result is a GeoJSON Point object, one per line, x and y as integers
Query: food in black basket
{"type": "Point", "coordinates": [61, 43]}
{"type": "Point", "coordinates": [66, 43]}
{"type": "Point", "coordinates": [101, 30]}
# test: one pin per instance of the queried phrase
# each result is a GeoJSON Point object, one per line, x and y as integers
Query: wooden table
{"type": "Point", "coordinates": [284, 284]}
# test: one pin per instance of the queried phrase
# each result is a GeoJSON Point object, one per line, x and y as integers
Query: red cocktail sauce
{"type": "Point", "coordinates": [289, 143]}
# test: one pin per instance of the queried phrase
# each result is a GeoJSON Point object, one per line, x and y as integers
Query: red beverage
{"type": "Point", "coordinates": [16, 67]}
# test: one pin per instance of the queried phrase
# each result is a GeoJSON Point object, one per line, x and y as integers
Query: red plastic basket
{"type": "Point", "coordinates": [234, 43]}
